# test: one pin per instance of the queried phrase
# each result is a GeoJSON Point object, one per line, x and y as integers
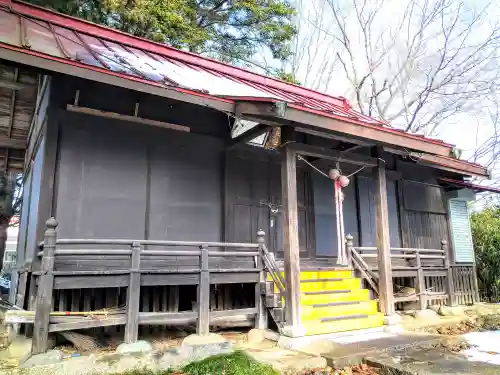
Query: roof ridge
{"type": "Point", "coordinates": [33, 11]}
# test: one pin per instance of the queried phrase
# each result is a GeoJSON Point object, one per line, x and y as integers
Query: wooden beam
{"type": "Point", "coordinates": [247, 136]}
{"type": "Point", "coordinates": [119, 116]}
{"type": "Point", "coordinates": [443, 163]}
{"type": "Point", "coordinates": [450, 164]}
{"type": "Point", "coordinates": [6, 142]}
{"type": "Point", "coordinates": [88, 323]}
{"type": "Point", "coordinates": [290, 237]}
{"type": "Point", "coordinates": [383, 241]}
{"type": "Point", "coordinates": [337, 137]}
{"type": "Point", "coordinates": [12, 104]}
{"type": "Point", "coordinates": [13, 85]}
{"type": "Point", "coordinates": [322, 120]}
{"type": "Point", "coordinates": [327, 153]}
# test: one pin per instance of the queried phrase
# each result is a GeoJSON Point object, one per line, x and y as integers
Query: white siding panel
{"type": "Point", "coordinates": [460, 231]}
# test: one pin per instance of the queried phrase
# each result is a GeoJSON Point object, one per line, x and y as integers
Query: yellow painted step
{"type": "Point", "coordinates": [316, 327]}
{"type": "Point", "coordinates": [342, 309]}
{"type": "Point", "coordinates": [355, 295]}
{"type": "Point", "coordinates": [328, 274]}
{"type": "Point", "coordinates": [323, 285]}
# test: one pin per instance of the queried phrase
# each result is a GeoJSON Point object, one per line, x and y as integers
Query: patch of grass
{"type": "Point", "coordinates": [237, 363]}
{"type": "Point", "coordinates": [146, 372]}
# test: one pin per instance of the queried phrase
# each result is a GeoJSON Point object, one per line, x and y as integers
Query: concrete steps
{"type": "Point", "coordinates": [331, 301]}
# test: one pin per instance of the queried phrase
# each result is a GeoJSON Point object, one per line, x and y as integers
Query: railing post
{"type": "Point", "coordinates": [261, 317]}
{"type": "Point", "coordinates": [204, 294]}
{"type": "Point", "coordinates": [422, 297]}
{"type": "Point", "coordinates": [476, 297]}
{"type": "Point", "coordinates": [449, 274]}
{"type": "Point", "coordinates": [133, 294]}
{"type": "Point", "coordinates": [349, 245]}
{"type": "Point", "coordinates": [45, 287]}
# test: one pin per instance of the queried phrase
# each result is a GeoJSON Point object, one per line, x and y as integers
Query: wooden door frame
{"type": "Point", "coordinates": [252, 152]}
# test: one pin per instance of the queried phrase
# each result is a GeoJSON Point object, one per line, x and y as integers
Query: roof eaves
{"type": "Point", "coordinates": [57, 64]}
{"type": "Point", "coordinates": [110, 34]}
{"type": "Point", "coordinates": [376, 125]}
{"type": "Point", "coordinates": [469, 185]}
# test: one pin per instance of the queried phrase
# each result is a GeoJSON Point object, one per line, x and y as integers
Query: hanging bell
{"type": "Point", "coordinates": [333, 174]}
{"type": "Point", "coordinates": [343, 181]}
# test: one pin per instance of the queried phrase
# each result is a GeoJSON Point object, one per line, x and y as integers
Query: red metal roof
{"type": "Point", "coordinates": [469, 185]}
{"type": "Point", "coordinates": [38, 31]}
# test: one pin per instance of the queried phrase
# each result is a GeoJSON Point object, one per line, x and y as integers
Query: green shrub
{"type": "Point", "coordinates": [486, 236]}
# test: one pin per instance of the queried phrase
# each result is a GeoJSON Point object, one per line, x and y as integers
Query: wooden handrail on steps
{"type": "Point", "coordinates": [356, 261]}
{"type": "Point", "coordinates": [356, 258]}
{"type": "Point", "coordinates": [273, 269]}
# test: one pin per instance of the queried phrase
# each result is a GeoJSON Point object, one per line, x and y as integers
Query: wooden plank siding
{"type": "Point", "coordinates": [111, 179]}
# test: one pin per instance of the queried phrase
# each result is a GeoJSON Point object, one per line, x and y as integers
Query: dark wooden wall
{"type": "Point", "coordinates": [125, 180]}
{"type": "Point", "coordinates": [117, 180]}
{"type": "Point", "coordinates": [253, 185]}
{"type": "Point", "coordinates": [105, 178]}
{"type": "Point", "coordinates": [423, 209]}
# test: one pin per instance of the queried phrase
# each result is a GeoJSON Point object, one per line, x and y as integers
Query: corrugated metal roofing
{"type": "Point", "coordinates": [74, 40]}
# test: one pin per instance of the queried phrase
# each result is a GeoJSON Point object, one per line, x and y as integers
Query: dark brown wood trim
{"type": "Point", "coordinates": [453, 165]}
{"type": "Point", "coordinates": [329, 154]}
{"type": "Point", "coordinates": [266, 110]}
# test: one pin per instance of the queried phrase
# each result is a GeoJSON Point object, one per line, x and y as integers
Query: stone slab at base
{"type": "Point", "coordinates": [300, 342]}
{"type": "Point", "coordinates": [293, 331]}
{"type": "Point", "coordinates": [198, 347]}
{"type": "Point", "coordinates": [392, 324]}
{"type": "Point", "coordinates": [140, 346]}
{"type": "Point", "coordinates": [390, 320]}
{"type": "Point", "coordinates": [48, 358]}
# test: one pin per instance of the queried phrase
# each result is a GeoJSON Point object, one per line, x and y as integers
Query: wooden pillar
{"type": "Point", "coordinates": [133, 295]}
{"type": "Point", "coordinates": [45, 288]}
{"type": "Point", "coordinates": [449, 274]}
{"type": "Point", "coordinates": [383, 241]}
{"type": "Point", "coordinates": [261, 318]}
{"type": "Point", "coordinates": [293, 325]}
{"type": "Point", "coordinates": [203, 326]}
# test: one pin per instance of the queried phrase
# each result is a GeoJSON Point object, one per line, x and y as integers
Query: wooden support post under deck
{"type": "Point", "coordinates": [45, 288]}
{"type": "Point", "coordinates": [476, 297]}
{"type": "Point", "coordinates": [293, 325]}
{"type": "Point", "coordinates": [449, 274]}
{"type": "Point", "coordinates": [133, 294]}
{"type": "Point", "coordinates": [203, 326]}
{"type": "Point", "coordinates": [422, 296]}
{"type": "Point", "coordinates": [383, 241]}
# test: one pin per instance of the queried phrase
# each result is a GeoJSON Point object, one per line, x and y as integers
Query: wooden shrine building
{"type": "Point", "coordinates": [186, 191]}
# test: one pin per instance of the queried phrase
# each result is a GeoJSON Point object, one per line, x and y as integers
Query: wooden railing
{"type": "Point", "coordinates": [138, 263]}
{"type": "Point", "coordinates": [421, 264]}
{"type": "Point", "coordinates": [273, 270]}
